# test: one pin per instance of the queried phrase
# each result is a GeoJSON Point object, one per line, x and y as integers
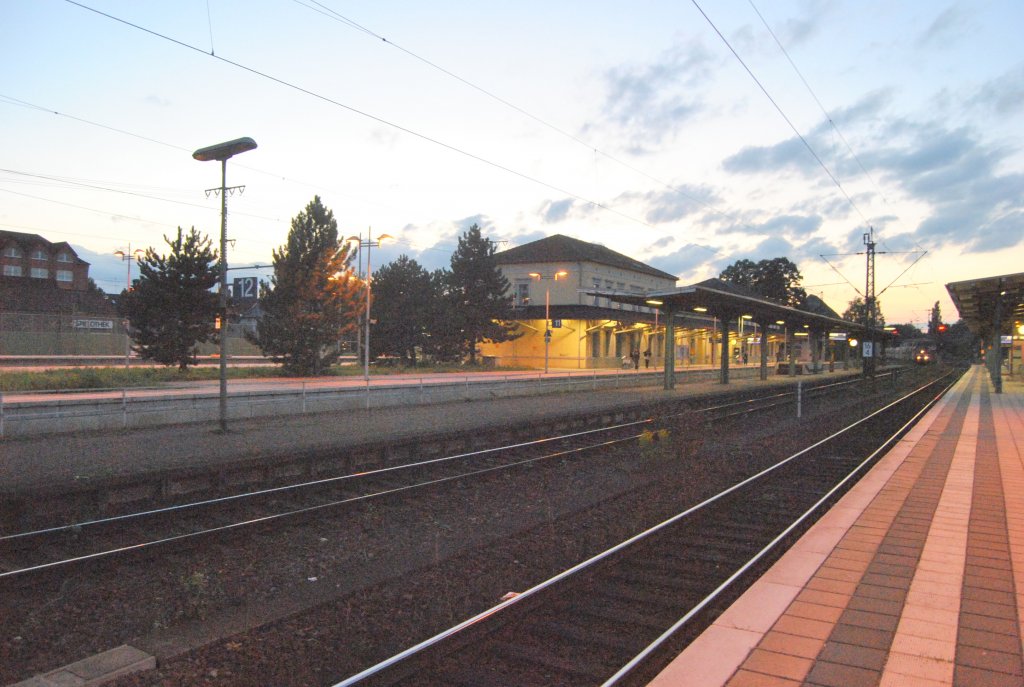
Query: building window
{"type": "Point", "coordinates": [12, 270]}
{"type": "Point", "coordinates": [522, 295]}
{"type": "Point", "coordinates": [597, 287]}
{"type": "Point", "coordinates": [39, 254]}
{"type": "Point", "coordinates": [40, 273]}
{"type": "Point", "coordinates": [12, 252]}
{"type": "Point", "coordinates": [65, 275]}
{"type": "Point", "coordinates": [63, 257]}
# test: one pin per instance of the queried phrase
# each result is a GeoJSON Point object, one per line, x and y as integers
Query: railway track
{"type": "Point", "coordinates": [361, 540]}
{"type": "Point", "coordinates": [595, 623]}
{"type": "Point", "coordinates": [40, 551]}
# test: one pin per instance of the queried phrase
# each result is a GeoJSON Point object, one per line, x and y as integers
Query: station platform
{"type": "Point", "coordinates": [915, 578]}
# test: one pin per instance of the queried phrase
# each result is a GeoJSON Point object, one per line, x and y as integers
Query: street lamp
{"type": "Point", "coordinates": [223, 152]}
{"type": "Point", "coordinates": [369, 243]}
{"type": "Point", "coordinates": [560, 274]}
{"type": "Point", "coordinates": [128, 255]}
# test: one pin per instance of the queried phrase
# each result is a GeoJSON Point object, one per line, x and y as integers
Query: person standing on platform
{"type": "Point", "coordinates": [647, 359]}
{"type": "Point", "coordinates": [635, 355]}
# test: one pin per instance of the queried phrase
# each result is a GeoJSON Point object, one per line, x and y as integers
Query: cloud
{"type": "Point", "coordinates": [790, 225]}
{"type": "Point", "coordinates": [789, 154]}
{"type": "Point", "coordinates": [647, 101]}
{"type": "Point", "coordinates": [663, 242]}
{"type": "Point", "coordinates": [948, 27]}
{"type": "Point", "coordinates": [685, 260]}
{"type": "Point", "coordinates": [153, 99]}
{"type": "Point", "coordinates": [1004, 94]}
{"type": "Point", "coordinates": [792, 153]}
{"type": "Point", "coordinates": [672, 204]}
{"type": "Point", "coordinates": [555, 211]}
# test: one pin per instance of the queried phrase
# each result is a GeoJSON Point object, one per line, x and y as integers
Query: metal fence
{"type": "Point", "coordinates": [24, 333]}
{"type": "Point", "coordinates": [42, 413]}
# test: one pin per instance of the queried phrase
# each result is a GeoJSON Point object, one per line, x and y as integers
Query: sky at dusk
{"type": "Point", "coordinates": [684, 134]}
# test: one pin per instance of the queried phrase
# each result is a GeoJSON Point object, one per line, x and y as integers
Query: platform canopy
{"type": "Point", "coordinates": [981, 302]}
{"type": "Point", "coordinates": [721, 299]}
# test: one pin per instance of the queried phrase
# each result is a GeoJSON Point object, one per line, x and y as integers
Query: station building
{"type": "Point", "coordinates": [599, 306]}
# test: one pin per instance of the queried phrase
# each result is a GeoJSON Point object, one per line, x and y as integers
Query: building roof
{"type": "Point", "coordinates": [976, 300]}
{"type": "Point", "coordinates": [560, 248]}
{"type": "Point", "coordinates": [35, 239]}
{"type": "Point", "coordinates": [725, 300]}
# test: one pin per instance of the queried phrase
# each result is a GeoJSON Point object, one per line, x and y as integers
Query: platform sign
{"type": "Point", "coordinates": [93, 324]}
{"type": "Point", "coordinates": [556, 324]}
{"type": "Point", "coordinates": [869, 349]}
{"type": "Point", "coordinates": [837, 336]}
{"type": "Point", "coordinates": [245, 288]}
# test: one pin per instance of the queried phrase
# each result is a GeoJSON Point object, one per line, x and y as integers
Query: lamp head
{"type": "Point", "coordinates": [223, 151]}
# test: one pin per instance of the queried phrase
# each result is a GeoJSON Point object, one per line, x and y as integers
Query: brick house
{"type": "Point", "coordinates": [30, 257]}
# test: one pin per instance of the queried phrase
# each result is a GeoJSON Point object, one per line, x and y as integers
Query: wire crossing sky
{"type": "Point", "coordinates": [640, 129]}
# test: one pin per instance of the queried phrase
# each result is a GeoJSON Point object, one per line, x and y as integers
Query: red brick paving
{"type": "Point", "coordinates": [914, 579]}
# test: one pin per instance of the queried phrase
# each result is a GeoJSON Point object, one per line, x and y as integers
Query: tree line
{"type": "Point", "coordinates": [314, 299]}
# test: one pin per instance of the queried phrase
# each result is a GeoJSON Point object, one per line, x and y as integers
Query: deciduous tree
{"type": "Point", "coordinates": [777, 279]}
{"type": "Point", "coordinates": [857, 311]}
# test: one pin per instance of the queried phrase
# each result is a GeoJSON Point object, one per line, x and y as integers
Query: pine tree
{"type": "Point", "coordinates": [934, 320]}
{"type": "Point", "coordinates": [479, 298]}
{"type": "Point", "coordinates": [172, 306]}
{"type": "Point", "coordinates": [313, 298]}
{"type": "Point", "coordinates": [403, 296]}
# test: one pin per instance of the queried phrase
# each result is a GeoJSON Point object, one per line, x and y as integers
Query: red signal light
{"type": "Point", "coordinates": [942, 328]}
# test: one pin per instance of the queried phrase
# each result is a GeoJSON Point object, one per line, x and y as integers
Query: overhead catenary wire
{"type": "Point", "coordinates": [326, 11]}
{"type": "Point", "coordinates": [828, 116]}
{"type": "Point", "coordinates": [824, 111]}
{"type": "Point", "coordinates": [380, 120]}
{"type": "Point", "coordinates": [781, 112]}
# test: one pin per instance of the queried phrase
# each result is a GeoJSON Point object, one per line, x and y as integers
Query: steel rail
{"type": "Point", "coordinates": [304, 485]}
{"type": "Point", "coordinates": [301, 511]}
{"type": "Point", "coordinates": [331, 504]}
{"type": "Point", "coordinates": [593, 560]}
{"type": "Point", "coordinates": [77, 526]}
{"type": "Point", "coordinates": [728, 582]}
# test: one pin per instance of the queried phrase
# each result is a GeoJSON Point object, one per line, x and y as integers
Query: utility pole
{"type": "Point", "coordinates": [870, 347]}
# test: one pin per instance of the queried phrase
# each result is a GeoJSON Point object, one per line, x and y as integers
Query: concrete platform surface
{"type": "Point", "coordinates": [32, 463]}
{"type": "Point", "coordinates": [95, 670]}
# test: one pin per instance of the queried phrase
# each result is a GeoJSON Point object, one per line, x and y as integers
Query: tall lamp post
{"type": "Point", "coordinates": [128, 256]}
{"type": "Point", "coordinates": [560, 274]}
{"type": "Point", "coordinates": [368, 244]}
{"type": "Point", "coordinates": [223, 152]}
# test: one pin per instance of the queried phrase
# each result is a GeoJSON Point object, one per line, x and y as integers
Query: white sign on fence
{"type": "Point", "coordinates": [93, 324]}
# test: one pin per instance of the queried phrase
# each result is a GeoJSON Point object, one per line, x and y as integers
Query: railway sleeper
{"type": "Point", "coordinates": [618, 612]}
{"type": "Point", "coordinates": [569, 669]}
{"type": "Point", "coordinates": [606, 634]}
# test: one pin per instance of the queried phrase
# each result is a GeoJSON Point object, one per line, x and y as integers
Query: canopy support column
{"type": "Point", "coordinates": [670, 349]}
